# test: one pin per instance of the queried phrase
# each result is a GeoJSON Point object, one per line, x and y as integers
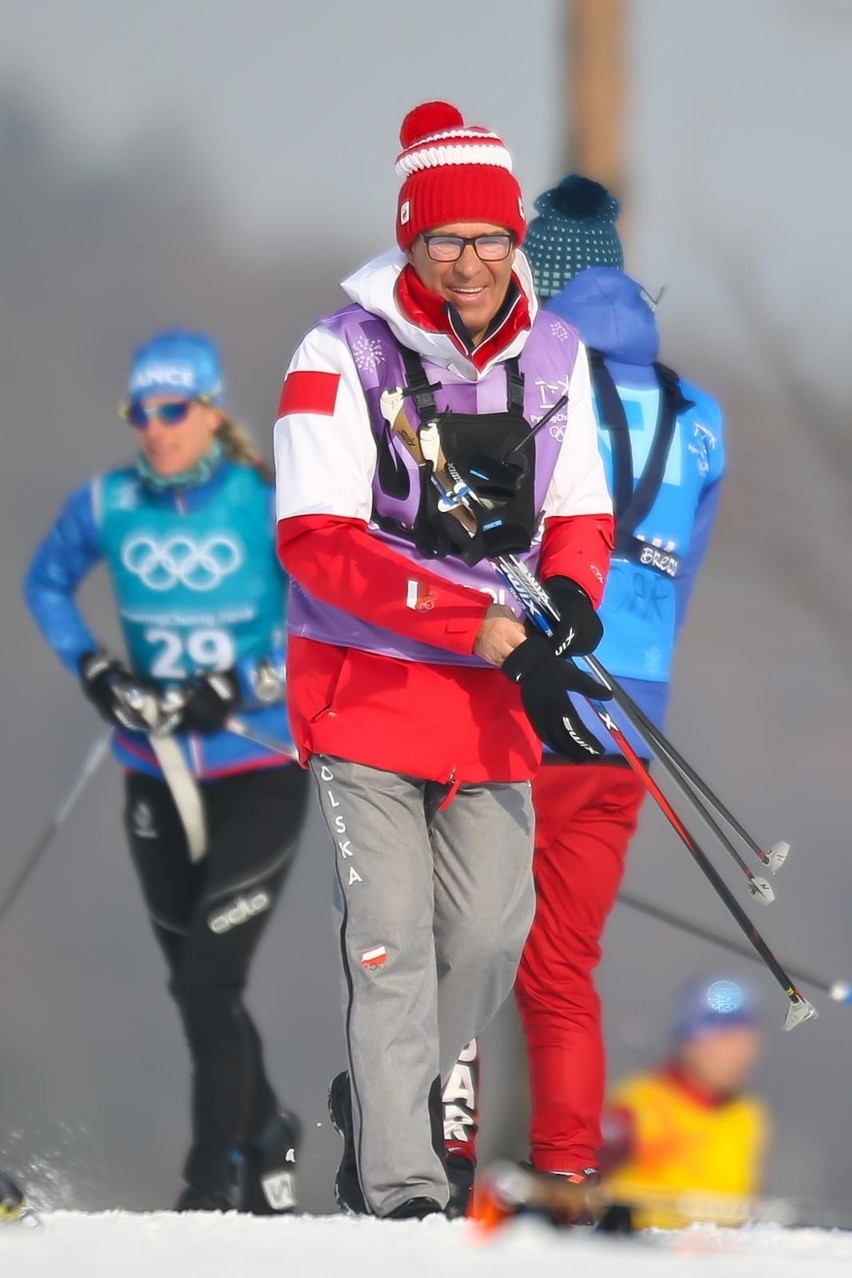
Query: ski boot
{"type": "Point", "coordinates": [265, 1170]}
{"type": "Point", "coordinates": [509, 1191]}
{"type": "Point", "coordinates": [460, 1111]}
{"type": "Point", "coordinates": [415, 1209]}
{"type": "Point", "coordinates": [461, 1171]}
{"type": "Point", "coordinates": [347, 1187]}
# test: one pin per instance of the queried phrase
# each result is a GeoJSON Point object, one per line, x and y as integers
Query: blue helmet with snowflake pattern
{"type": "Point", "coordinates": [709, 1004]}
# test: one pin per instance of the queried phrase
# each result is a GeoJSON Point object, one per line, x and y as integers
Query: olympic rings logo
{"type": "Point", "coordinates": [181, 561]}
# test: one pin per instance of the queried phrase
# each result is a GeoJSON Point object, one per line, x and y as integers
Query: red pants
{"type": "Point", "coordinates": [585, 817]}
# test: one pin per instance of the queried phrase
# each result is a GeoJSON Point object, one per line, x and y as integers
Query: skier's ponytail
{"type": "Point", "coordinates": [240, 447]}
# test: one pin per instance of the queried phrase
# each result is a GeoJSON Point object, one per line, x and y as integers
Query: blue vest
{"type": "Point", "coordinates": [198, 587]}
{"type": "Point", "coordinates": [195, 590]}
{"type": "Point", "coordinates": [639, 609]}
{"type": "Point", "coordinates": [661, 440]}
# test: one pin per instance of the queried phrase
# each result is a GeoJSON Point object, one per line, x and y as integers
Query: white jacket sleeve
{"type": "Point", "coordinates": [325, 454]}
{"type": "Point", "coordinates": [579, 486]}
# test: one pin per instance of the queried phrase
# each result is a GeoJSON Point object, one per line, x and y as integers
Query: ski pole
{"type": "Point", "coordinates": [240, 729]}
{"type": "Point", "coordinates": [91, 763]}
{"type": "Point", "coordinates": [840, 991]}
{"type": "Point", "coordinates": [173, 703]}
{"type": "Point", "coordinates": [540, 425]}
{"type": "Point", "coordinates": [777, 854]}
{"type": "Point", "coordinates": [758, 886]}
{"type": "Point", "coordinates": [543, 612]}
{"type": "Point", "coordinates": [537, 604]}
{"type": "Point", "coordinates": [540, 607]}
{"type": "Point", "coordinates": [800, 1008]}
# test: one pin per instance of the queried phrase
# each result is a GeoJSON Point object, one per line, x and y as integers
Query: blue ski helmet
{"type": "Point", "coordinates": [705, 1005]}
{"type": "Point", "coordinates": [176, 362]}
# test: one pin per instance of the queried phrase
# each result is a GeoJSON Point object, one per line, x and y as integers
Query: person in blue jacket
{"type": "Point", "coordinates": [662, 442]}
{"type": "Point", "coordinates": [213, 801]}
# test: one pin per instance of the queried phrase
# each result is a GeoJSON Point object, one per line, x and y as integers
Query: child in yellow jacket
{"type": "Point", "coordinates": [688, 1126]}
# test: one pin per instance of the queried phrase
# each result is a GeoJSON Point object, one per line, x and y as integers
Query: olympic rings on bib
{"type": "Point", "coordinates": [181, 561]}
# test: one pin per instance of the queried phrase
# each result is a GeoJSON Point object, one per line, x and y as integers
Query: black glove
{"type": "Point", "coordinates": [108, 684]}
{"type": "Point", "coordinates": [545, 681]}
{"type": "Point", "coordinates": [579, 629]}
{"type": "Point", "coordinates": [208, 701]}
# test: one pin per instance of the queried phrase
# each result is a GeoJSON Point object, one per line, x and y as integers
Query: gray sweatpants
{"type": "Point", "coordinates": [433, 908]}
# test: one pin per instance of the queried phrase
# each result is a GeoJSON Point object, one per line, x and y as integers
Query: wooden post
{"type": "Point", "coordinates": [597, 97]}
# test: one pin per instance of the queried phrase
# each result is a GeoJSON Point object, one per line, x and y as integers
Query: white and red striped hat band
{"type": "Point", "coordinates": [453, 172]}
{"type": "Point", "coordinates": [454, 146]}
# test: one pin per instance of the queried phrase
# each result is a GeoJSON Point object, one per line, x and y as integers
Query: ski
{"type": "Point", "coordinates": [508, 1191]}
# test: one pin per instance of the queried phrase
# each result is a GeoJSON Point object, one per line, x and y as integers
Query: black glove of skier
{"type": "Point", "coordinates": [108, 684]}
{"type": "Point", "coordinates": [545, 681]}
{"type": "Point", "coordinates": [579, 629]}
{"type": "Point", "coordinates": [208, 701]}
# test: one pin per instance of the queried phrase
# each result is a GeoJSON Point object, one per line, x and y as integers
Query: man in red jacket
{"type": "Point", "coordinates": [417, 695]}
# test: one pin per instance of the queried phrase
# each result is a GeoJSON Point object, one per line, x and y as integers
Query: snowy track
{"type": "Point", "coordinates": [121, 1245]}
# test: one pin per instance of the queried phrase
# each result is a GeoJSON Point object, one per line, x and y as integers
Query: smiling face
{"type": "Point", "coordinates": [476, 289]}
{"type": "Point", "coordinates": [170, 450]}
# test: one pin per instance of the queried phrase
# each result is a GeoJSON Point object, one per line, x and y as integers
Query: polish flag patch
{"type": "Point", "coordinates": [307, 392]}
{"type": "Point", "coordinates": [376, 957]}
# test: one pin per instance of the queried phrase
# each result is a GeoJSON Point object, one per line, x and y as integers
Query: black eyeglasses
{"type": "Point", "coordinates": [449, 248]}
{"type": "Point", "coordinates": [170, 414]}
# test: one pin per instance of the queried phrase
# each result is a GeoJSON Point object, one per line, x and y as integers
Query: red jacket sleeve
{"type": "Point", "coordinates": [340, 563]}
{"type": "Point", "coordinates": [579, 547]}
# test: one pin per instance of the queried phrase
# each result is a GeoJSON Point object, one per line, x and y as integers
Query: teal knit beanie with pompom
{"type": "Point", "coordinates": [575, 229]}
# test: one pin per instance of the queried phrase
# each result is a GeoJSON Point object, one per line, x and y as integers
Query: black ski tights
{"type": "Point", "coordinates": [208, 918]}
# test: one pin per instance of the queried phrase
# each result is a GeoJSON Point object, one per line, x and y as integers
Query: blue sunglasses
{"type": "Point", "coordinates": [170, 414]}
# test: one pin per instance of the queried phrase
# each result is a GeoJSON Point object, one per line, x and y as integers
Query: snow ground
{"type": "Point", "coordinates": [122, 1245]}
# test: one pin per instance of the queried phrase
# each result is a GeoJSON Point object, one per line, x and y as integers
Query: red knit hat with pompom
{"type": "Point", "coordinates": [453, 173]}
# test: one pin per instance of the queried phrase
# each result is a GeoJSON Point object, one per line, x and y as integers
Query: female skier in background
{"type": "Point", "coordinates": [212, 817]}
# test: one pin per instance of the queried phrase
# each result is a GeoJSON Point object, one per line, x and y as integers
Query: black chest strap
{"type": "Point", "coordinates": [515, 387]}
{"type": "Point", "coordinates": [418, 386]}
{"type": "Point", "coordinates": [634, 497]}
{"type": "Point", "coordinates": [420, 389]}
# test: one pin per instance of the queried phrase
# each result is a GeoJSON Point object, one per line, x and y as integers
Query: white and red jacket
{"type": "Point", "coordinates": [435, 719]}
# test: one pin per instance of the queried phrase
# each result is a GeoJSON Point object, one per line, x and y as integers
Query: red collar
{"type": "Point", "coordinates": [701, 1095]}
{"type": "Point", "coordinates": [428, 311]}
